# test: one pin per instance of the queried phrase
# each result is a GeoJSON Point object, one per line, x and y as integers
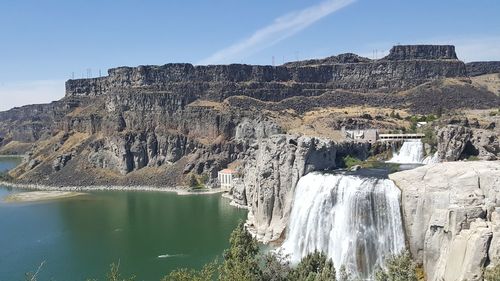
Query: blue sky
{"type": "Point", "coordinates": [44, 41]}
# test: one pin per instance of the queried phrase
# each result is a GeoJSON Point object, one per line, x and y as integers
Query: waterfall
{"type": "Point", "coordinates": [431, 159]}
{"type": "Point", "coordinates": [412, 152]}
{"type": "Point", "coordinates": [355, 220]}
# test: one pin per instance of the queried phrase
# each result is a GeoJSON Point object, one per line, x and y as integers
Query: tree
{"type": "Point", "coordinates": [398, 268]}
{"type": "Point", "coordinates": [193, 181]}
{"type": "Point", "coordinates": [240, 260]}
{"type": "Point", "coordinates": [276, 267]}
{"type": "Point", "coordinates": [343, 274]}
{"type": "Point", "coordinates": [493, 273]}
{"type": "Point", "coordinates": [207, 273]}
{"type": "Point", "coordinates": [114, 274]}
{"type": "Point", "coordinates": [314, 267]}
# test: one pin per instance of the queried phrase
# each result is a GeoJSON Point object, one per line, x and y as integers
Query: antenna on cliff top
{"type": "Point", "coordinates": [73, 75]}
{"type": "Point", "coordinates": [273, 60]}
{"type": "Point", "coordinates": [100, 73]}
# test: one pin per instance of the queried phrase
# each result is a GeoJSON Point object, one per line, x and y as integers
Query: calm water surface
{"type": "Point", "coordinates": [148, 233]}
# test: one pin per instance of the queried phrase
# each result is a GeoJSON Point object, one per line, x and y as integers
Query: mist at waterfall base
{"type": "Point", "coordinates": [355, 220]}
{"type": "Point", "coordinates": [412, 152]}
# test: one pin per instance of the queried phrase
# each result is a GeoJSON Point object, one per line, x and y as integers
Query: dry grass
{"type": "Point", "coordinates": [490, 82]}
{"type": "Point", "coordinates": [14, 147]}
{"type": "Point", "coordinates": [206, 103]}
{"type": "Point", "coordinates": [318, 122]}
{"type": "Point", "coordinates": [73, 141]}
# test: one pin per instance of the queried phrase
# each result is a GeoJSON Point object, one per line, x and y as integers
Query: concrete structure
{"type": "Point", "coordinates": [367, 135]}
{"type": "Point", "coordinates": [390, 137]}
{"type": "Point", "coordinates": [226, 178]}
{"type": "Point", "coordinates": [421, 124]}
{"type": "Point", "coordinates": [372, 135]}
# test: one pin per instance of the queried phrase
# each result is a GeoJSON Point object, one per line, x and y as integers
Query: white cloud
{"type": "Point", "coordinates": [282, 28]}
{"type": "Point", "coordinates": [20, 93]}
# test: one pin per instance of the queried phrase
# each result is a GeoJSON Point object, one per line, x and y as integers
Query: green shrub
{"type": "Point", "coordinates": [240, 260]}
{"type": "Point", "coordinates": [343, 274]}
{"type": "Point", "coordinates": [473, 158]}
{"type": "Point", "coordinates": [350, 161]}
{"type": "Point", "coordinates": [314, 267]}
{"type": "Point", "coordinates": [275, 267]}
{"type": "Point", "coordinates": [430, 138]}
{"type": "Point", "coordinates": [198, 182]}
{"type": "Point", "coordinates": [115, 275]}
{"type": "Point", "coordinates": [398, 268]}
{"type": "Point", "coordinates": [207, 273]}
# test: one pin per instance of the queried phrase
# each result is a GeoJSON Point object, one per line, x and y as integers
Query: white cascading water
{"type": "Point", "coordinates": [431, 159]}
{"type": "Point", "coordinates": [411, 152]}
{"type": "Point", "coordinates": [355, 220]}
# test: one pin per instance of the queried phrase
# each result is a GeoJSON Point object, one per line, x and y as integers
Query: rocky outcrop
{"type": "Point", "coordinates": [403, 68]}
{"type": "Point", "coordinates": [422, 52]}
{"type": "Point", "coordinates": [272, 169]}
{"type": "Point", "coordinates": [451, 217]}
{"type": "Point", "coordinates": [457, 142]}
{"type": "Point", "coordinates": [482, 67]}
{"type": "Point", "coordinates": [61, 161]}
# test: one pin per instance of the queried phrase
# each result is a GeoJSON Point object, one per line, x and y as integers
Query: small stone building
{"type": "Point", "coordinates": [226, 178]}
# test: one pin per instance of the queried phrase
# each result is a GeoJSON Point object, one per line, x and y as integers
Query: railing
{"type": "Point", "coordinates": [386, 137]}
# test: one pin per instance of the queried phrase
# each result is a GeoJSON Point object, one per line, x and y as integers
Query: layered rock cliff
{"type": "Point", "coordinates": [403, 68]}
{"type": "Point", "coordinates": [179, 119]}
{"type": "Point", "coordinates": [451, 215]}
{"type": "Point", "coordinates": [482, 67]}
{"type": "Point", "coordinates": [270, 173]}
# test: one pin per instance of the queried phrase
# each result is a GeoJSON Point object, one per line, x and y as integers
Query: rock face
{"type": "Point", "coordinates": [422, 52]}
{"type": "Point", "coordinates": [404, 67]}
{"type": "Point", "coordinates": [482, 67]}
{"type": "Point", "coordinates": [271, 172]}
{"type": "Point", "coordinates": [451, 215]}
{"type": "Point", "coordinates": [178, 119]}
{"type": "Point", "coordinates": [456, 142]}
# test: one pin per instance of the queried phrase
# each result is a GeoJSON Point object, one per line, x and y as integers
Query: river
{"type": "Point", "coordinates": [148, 233]}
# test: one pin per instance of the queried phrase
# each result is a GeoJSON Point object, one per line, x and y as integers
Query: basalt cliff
{"type": "Point", "coordinates": [177, 125]}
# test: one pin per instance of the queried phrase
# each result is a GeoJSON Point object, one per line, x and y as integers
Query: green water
{"type": "Point", "coordinates": [78, 238]}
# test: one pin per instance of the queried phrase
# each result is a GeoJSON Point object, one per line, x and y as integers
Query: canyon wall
{"type": "Point", "coordinates": [403, 68]}
{"type": "Point", "coordinates": [451, 213]}
{"type": "Point", "coordinates": [270, 171]}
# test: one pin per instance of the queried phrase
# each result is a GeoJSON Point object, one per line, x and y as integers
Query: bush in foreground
{"type": "Point", "coordinates": [399, 268]}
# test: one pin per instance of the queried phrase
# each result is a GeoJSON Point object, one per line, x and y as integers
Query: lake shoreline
{"type": "Point", "coordinates": [179, 190]}
{"type": "Point", "coordinates": [39, 196]}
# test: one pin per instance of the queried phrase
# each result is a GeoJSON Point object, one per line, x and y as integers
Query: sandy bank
{"type": "Point", "coordinates": [34, 196]}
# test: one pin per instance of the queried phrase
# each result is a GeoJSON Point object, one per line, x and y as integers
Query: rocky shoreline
{"type": "Point", "coordinates": [37, 187]}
